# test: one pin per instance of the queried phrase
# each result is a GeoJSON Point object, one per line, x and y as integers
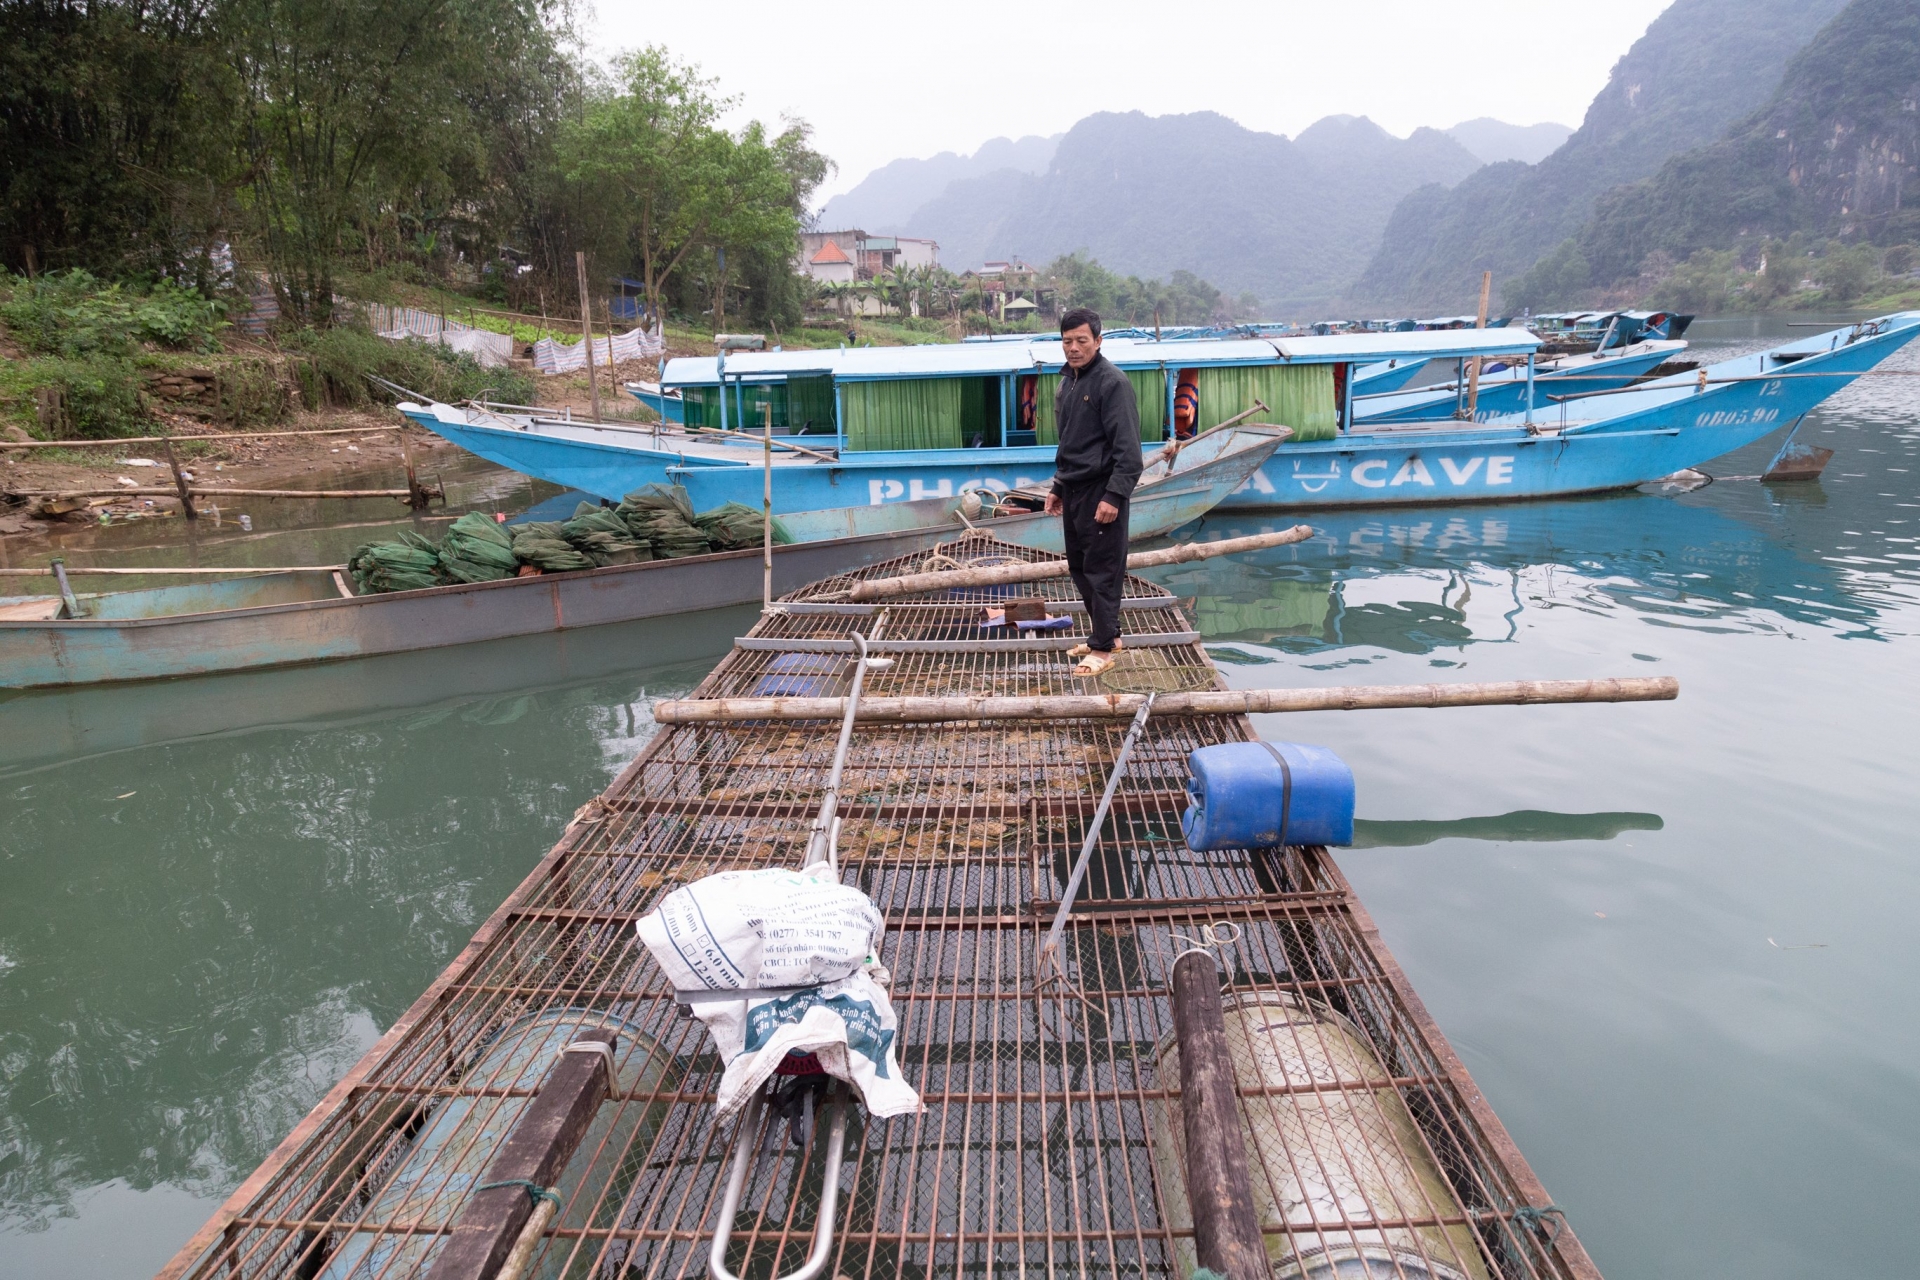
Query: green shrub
{"type": "Point", "coordinates": [251, 394]}
{"type": "Point", "coordinates": [100, 396]}
{"type": "Point", "coordinates": [341, 358]}
{"type": "Point", "coordinates": [73, 314]}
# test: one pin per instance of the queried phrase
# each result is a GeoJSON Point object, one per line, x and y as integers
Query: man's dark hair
{"type": "Point", "coordinates": [1081, 316]}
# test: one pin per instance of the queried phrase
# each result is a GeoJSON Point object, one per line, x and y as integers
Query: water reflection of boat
{"type": "Point", "coordinates": [1678, 560]}
{"type": "Point", "coordinates": [1529, 825]}
{"type": "Point", "coordinates": [50, 725]}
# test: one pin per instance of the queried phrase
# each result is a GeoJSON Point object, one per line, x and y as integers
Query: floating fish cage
{"type": "Point", "coordinates": [1049, 1141]}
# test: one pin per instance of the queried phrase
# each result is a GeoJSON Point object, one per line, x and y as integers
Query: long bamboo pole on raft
{"type": "Point", "coordinates": [1041, 570]}
{"type": "Point", "coordinates": [1232, 702]}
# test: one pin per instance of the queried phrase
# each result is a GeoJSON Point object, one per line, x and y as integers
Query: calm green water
{"type": "Point", "coordinates": [1675, 943]}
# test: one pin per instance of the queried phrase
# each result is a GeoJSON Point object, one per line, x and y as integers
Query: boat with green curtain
{"type": "Point", "coordinates": [873, 425]}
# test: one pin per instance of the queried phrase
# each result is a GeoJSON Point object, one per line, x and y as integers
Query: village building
{"type": "Point", "coordinates": [867, 257]}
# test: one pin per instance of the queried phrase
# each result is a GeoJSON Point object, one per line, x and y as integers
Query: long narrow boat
{"type": "Point", "coordinates": [1581, 442]}
{"type": "Point", "coordinates": [896, 424]}
{"type": "Point", "coordinates": [1050, 1141]}
{"type": "Point", "coordinates": [281, 619]}
{"type": "Point", "coordinates": [902, 418]}
{"type": "Point", "coordinates": [1503, 387]}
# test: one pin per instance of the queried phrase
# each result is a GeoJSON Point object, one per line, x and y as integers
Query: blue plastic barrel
{"type": "Point", "coordinates": [1258, 795]}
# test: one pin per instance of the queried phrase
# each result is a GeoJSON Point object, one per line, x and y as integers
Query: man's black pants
{"type": "Point", "coordinates": [1097, 558]}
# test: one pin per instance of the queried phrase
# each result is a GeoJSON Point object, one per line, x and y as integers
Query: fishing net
{"type": "Point", "coordinates": [599, 534]}
{"type": "Point", "coordinates": [477, 549]}
{"type": "Point", "coordinates": [406, 564]}
{"type": "Point", "coordinates": [538, 543]}
{"type": "Point", "coordinates": [736, 526]}
{"type": "Point", "coordinates": [663, 515]}
{"type": "Point", "coordinates": [1152, 671]}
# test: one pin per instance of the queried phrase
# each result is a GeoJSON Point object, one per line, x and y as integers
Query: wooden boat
{"type": "Point", "coordinates": [281, 619]}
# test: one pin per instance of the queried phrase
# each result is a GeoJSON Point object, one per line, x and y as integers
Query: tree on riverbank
{"type": "Point", "coordinates": [432, 141]}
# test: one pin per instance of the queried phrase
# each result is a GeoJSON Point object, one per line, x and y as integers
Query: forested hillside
{"type": "Point", "coordinates": [1701, 65]}
{"type": "Point", "coordinates": [1289, 220]}
{"type": "Point", "coordinates": [1834, 155]}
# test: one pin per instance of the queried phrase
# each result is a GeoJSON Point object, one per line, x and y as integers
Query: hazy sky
{"type": "Point", "coordinates": [881, 81]}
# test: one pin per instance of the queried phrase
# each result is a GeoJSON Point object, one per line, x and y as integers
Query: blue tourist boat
{"type": "Point", "coordinates": [666, 405]}
{"type": "Point", "coordinates": [898, 424]}
{"type": "Point", "coordinates": [880, 425]}
{"type": "Point", "coordinates": [1503, 386]}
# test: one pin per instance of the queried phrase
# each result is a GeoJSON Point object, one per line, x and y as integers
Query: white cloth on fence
{"type": "Point", "coordinates": [550, 355]}
{"type": "Point", "coordinates": [801, 930]}
{"type": "Point", "coordinates": [491, 350]}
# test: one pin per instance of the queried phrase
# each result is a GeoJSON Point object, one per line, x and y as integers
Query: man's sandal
{"type": "Point", "coordinates": [1094, 663]}
{"type": "Point", "coordinates": [1081, 650]}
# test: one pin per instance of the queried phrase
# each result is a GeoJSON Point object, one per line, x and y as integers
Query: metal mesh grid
{"type": "Point", "coordinates": [1036, 1151]}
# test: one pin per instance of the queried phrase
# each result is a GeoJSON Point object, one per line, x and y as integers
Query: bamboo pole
{"type": "Point", "coordinates": [1473, 378]}
{"type": "Point", "coordinates": [122, 442]}
{"type": "Point", "coordinates": [586, 328]}
{"type": "Point", "coordinates": [1235, 702]}
{"type": "Point", "coordinates": [83, 571]}
{"type": "Point", "coordinates": [149, 491]}
{"type": "Point", "coordinates": [745, 435]}
{"type": "Point", "coordinates": [766, 506]}
{"type": "Point", "coordinates": [1041, 570]}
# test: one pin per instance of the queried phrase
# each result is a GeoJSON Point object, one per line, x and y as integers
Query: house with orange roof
{"type": "Point", "coordinates": [830, 263]}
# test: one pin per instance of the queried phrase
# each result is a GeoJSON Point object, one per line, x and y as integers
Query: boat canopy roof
{"type": "Point", "coordinates": [1042, 354]}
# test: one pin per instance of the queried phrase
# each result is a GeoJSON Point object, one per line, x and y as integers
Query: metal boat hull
{"type": "Point", "coordinates": [263, 621]}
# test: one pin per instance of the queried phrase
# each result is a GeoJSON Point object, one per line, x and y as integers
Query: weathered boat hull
{"type": "Point", "coordinates": [271, 620]}
{"type": "Point", "coordinates": [94, 651]}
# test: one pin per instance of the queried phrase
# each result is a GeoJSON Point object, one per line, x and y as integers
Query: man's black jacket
{"type": "Point", "coordinates": [1099, 430]}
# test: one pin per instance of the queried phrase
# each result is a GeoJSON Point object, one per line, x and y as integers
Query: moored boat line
{"type": "Point", "coordinates": [906, 426]}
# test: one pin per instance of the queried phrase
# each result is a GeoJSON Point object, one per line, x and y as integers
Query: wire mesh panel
{"type": "Point", "coordinates": [1049, 1143]}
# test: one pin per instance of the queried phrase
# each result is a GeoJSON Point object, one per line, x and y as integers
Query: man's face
{"type": "Point", "coordinates": [1081, 345]}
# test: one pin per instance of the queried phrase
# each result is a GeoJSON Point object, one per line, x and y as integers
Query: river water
{"type": "Point", "coordinates": [1675, 943]}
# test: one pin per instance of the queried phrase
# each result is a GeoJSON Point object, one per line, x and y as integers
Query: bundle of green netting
{"type": "Point", "coordinates": [540, 544]}
{"type": "Point", "coordinates": [663, 515]}
{"type": "Point", "coordinates": [656, 520]}
{"type": "Point", "coordinates": [736, 526]}
{"type": "Point", "coordinates": [406, 564]}
{"type": "Point", "coordinates": [477, 549]}
{"type": "Point", "coordinates": [599, 534]}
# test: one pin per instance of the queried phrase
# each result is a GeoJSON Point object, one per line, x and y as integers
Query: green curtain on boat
{"type": "Point", "coordinates": [1149, 390]}
{"type": "Point", "coordinates": [903, 413]}
{"type": "Point", "coordinates": [1299, 396]}
{"type": "Point", "coordinates": [1045, 429]}
{"type": "Point", "coordinates": [701, 406]}
{"type": "Point", "coordinates": [809, 405]}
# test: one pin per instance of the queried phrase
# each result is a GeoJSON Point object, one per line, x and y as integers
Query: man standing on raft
{"type": "Point", "coordinates": [1097, 465]}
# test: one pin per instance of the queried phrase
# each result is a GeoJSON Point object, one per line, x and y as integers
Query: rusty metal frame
{"type": "Point", "coordinates": [1033, 1153]}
